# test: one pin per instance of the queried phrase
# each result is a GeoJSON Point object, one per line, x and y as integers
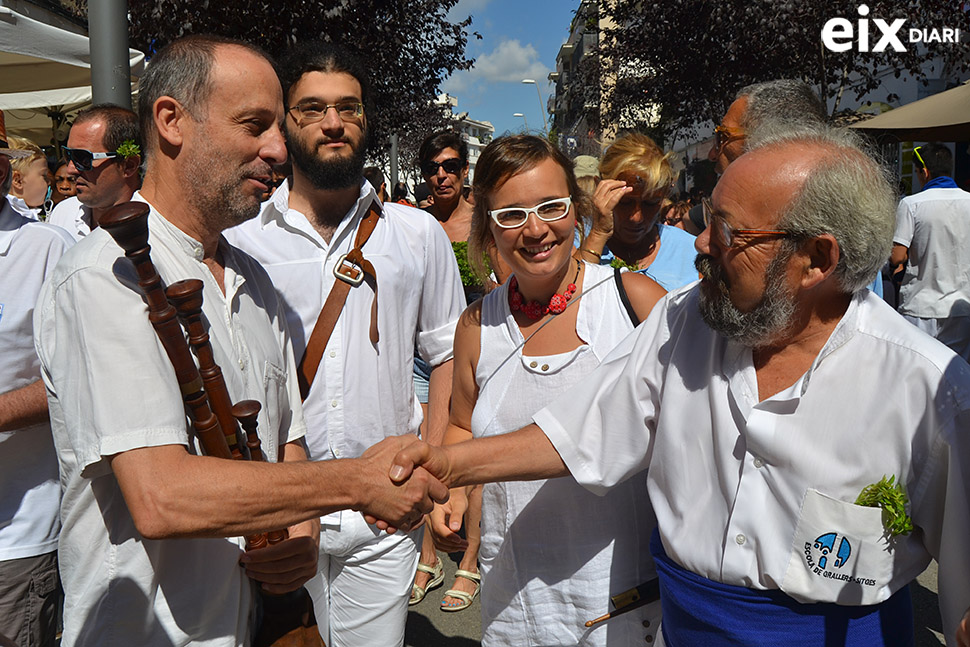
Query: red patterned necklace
{"type": "Point", "coordinates": [535, 310]}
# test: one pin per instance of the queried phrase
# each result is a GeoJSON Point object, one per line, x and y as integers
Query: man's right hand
{"type": "Point", "coordinates": [397, 504]}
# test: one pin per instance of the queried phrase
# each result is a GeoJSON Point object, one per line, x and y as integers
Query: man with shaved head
{"type": "Point", "coordinates": [776, 404]}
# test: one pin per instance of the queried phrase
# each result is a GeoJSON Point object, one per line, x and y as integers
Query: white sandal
{"type": "Point", "coordinates": [465, 598]}
{"type": "Point", "coordinates": [437, 573]}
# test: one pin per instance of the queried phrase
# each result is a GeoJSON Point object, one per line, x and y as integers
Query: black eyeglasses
{"type": "Point", "coordinates": [83, 160]}
{"type": "Point", "coordinates": [452, 165]}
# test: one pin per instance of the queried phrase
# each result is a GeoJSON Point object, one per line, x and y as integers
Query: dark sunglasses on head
{"type": "Point", "coordinates": [452, 166]}
{"type": "Point", "coordinates": [82, 159]}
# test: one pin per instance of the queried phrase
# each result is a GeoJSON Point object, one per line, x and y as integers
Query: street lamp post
{"type": "Point", "coordinates": [519, 114]}
{"type": "Point", "coordinates": [542, 108]}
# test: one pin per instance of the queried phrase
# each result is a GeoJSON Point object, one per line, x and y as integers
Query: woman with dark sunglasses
{"type": "Point", "coordinates": [552, 553]}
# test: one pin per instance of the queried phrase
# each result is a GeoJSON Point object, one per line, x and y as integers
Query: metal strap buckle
{"type": "Point", "coordinates": [348, 271]}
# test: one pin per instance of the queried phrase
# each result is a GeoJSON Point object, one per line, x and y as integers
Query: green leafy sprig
{"type": "Point", "coordinates": [891, 497]}
{"type": "Point", "coordinates": [619, 263]}
{"type": "Point", "coordinates": [129, 148]}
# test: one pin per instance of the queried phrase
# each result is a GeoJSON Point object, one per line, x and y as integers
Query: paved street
{"type": "Point", "coordinates": [429, 627]}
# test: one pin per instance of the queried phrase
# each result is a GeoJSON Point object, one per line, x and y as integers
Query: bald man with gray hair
{"type": "Point", "coordinates": [757, 401]}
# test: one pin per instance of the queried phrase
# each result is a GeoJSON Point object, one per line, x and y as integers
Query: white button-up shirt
{"type": "Point", "coordinates": [111, 388]}
{"type": "Point", "coordinates": [746, 492]}
{"type": "Point", "coordinates": [30, 493]}
{"type": "Point", "coordinates": [362, 393]}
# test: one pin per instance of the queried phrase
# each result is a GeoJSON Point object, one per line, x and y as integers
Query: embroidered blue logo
{"type": "Point", "coordinates": [826, 543]}
{"type": "Point", "coordinates": [827, 554]}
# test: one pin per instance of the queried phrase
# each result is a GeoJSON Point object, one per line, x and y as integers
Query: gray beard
{"type": "Point", "coordinates": [763, 324]}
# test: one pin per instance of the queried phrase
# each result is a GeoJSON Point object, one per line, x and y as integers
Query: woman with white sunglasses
{"type": "Point", "coordinates": [552, 553]}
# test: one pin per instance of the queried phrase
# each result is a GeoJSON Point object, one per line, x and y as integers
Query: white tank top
{"type": "Point", "coordinates": [552, 552]}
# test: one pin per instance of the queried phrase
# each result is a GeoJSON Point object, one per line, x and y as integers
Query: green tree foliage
{"type": "Point", "coordinates": [408, 46]}
{"type": "Point", "coordinates": [692, 56]}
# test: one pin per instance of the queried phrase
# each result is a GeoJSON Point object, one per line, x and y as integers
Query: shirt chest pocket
{"type": "Point", "coordinates": [840, 553]}
{"type": "Point", "coordinates": [276, 408]}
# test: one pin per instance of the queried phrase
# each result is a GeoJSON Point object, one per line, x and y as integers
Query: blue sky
{"type": "Point", "coordinates": [520, 40]}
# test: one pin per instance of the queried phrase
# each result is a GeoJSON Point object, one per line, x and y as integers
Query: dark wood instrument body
{"type": "Point", "coordinates": [215, 420]}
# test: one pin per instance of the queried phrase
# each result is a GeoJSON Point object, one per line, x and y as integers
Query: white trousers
{"type": "Point", "coordinates": [363, 582]}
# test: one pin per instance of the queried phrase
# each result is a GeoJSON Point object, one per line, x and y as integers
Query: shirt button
{"type": "Point", "coordinates": [649, 639]}
{"type": "Point", "coordinates": [333, 404]}
{"type": "Point", "coordinates": [646, 623]}
{"type": "Point", "coordinates": [545, 367]}
{"type": "Point", "coordinates": [333, 353]}
{"type": "Point", "coordinates": [759, 463]}
{"type": "Point", "coordinates": [533, 364]}
{"type": "Point", "coordinates": [336, 453]}
{"type": "Point", "coordinates": [740, 539]}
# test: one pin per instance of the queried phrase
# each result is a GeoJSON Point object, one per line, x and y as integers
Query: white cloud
{"type": "Point", "coordinates": [466, 8]}
{"type": "Point", "coordinates": [510, 61]}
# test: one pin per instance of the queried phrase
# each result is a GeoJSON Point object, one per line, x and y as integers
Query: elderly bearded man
{"type": "Point", "coordinates": [758, 401]}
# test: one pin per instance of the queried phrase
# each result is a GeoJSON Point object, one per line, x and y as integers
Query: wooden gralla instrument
{"type": "Point", "coordinates": [216, 420]}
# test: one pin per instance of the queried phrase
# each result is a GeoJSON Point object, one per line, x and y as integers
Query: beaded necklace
{"type": "Point", "coordinates": [535, 310]}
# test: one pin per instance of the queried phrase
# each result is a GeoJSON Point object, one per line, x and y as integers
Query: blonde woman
{"type": "Point", "coordinates": [636, 179]}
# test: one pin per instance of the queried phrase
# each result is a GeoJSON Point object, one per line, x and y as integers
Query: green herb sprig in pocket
{"type": "Point", "coordinates": [891, 497]}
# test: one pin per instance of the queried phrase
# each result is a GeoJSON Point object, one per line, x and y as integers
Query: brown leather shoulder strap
{"type": "Point", "coordinates": [351, 270]}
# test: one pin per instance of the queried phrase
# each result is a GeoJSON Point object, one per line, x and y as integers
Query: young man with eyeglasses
{"type": "Point", "coordinates": [104, 178]}
{"type": "Point", "coordinates": [932, 234]}
{"type": "Point", "coordinates": [361, 391]}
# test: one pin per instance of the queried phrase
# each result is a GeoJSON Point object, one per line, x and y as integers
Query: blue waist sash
{"type": "Point", "coordinates": [698, 611]}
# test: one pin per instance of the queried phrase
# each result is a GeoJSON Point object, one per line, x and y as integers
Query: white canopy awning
{"type": "Point", "coordinates": [942, 117]}
{"type": "Point", "coordinates": [45, 73]}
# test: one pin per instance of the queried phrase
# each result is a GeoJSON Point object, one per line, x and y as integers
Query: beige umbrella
{"type": "Point", "coordinates": [942, 117]}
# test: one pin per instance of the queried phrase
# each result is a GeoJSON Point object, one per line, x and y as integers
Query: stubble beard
{"type": "Point", "coordinates": [221, 200]}
{"type": "Point", "coordinates": [763, 324]}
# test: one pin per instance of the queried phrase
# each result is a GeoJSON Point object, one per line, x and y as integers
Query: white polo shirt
{"type": "Point", "coordinates": [362, 393]}
{"type": "Point", "coordinates": [935, 225]}
{"type": "Point", "coordinates": [743, 489]}
{"type": "Point", "coordinates": [30, 493]}
{"type": "Point", "coordinates": [112, 388]}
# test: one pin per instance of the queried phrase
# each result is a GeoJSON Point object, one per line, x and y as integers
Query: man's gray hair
{"type": "Point", "coordinates": [783, 103]}
{"type": "Point", "coordinates": [182, 70]}
{"type": "Point", "coordinates": [848, 195]}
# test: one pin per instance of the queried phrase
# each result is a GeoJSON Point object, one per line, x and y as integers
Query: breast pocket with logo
{"type": "Point", "coordinates": [840, 553]}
